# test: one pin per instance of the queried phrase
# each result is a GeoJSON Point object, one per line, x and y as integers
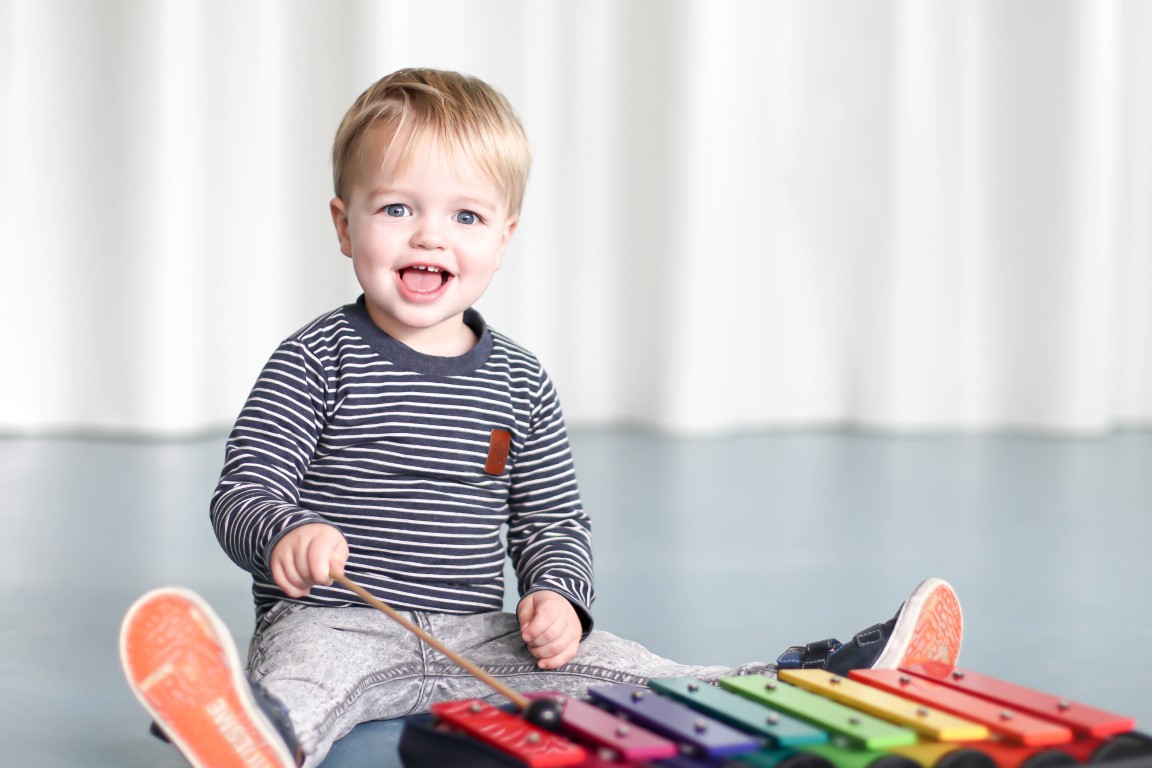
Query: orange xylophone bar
{"type": "Point", "coordinates": [597, 743]}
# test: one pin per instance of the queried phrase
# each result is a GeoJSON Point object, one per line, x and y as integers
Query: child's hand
{"type": "Point", "coordinates": [550, 628]}
{"type": "Point", "coordinates": [309, 555]}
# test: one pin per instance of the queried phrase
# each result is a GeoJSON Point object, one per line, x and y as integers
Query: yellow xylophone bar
{"type": "Point", "coordinates": [926, 721]}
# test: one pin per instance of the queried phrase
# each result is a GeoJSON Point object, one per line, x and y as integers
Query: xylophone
{"type": "Point", "coordinates": [877, 718]}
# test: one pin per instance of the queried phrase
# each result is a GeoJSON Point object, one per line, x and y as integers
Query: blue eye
{"type": "Point", "coordinates": [396, 209]}
{"type": "Point", "coordinates": [467, 217]}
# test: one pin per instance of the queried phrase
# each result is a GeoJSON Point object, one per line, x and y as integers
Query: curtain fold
{"type": "Point", "coordinates": [893, 215]}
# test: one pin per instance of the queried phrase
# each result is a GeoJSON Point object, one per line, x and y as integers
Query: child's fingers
{"type": "Point", "coordinates": [557, 653]}
{"type": "Point", "coordinates": [319, 558]}
{"type": "Point", "coordinates": [555, 662]}
{"type": "Point", "coordinates": [309, 555]}
{"type": "Point", "coordinates": [287, 577]}
{"type": "Point", "coordinates": [339, 558]}
{"type": "Point", "coordinates": [540, 631]}
{"type": "Point", "coordinates": [555, 640]}
{"type": "Point", "coordinates": [544, 631]}
{"type": "Point", "coordinates": [327, 552]}
{"type": "Point", "coordinates": [525, 613]}
{"type": "Point", "coordinates": [543, 649]}
{"type": "Point", "coordinates": [551, 633]}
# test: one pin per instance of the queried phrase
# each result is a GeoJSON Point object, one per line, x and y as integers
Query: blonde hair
{"type": "Point", "coordinates": [461, 113]}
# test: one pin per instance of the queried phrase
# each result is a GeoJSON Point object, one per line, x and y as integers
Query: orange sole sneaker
{"type": "Point", "coordinates": [928, 631]}
{"type": "Point", "coordinates": [182, 665]}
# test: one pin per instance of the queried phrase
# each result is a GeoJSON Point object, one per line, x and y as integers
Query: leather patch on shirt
{"type": "Point", "coordinates": [498, 446]}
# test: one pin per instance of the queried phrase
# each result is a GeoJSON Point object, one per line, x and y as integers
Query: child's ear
{"type": "Point", "coordinates": [509, 230]}
{"type": "Point", "coordinates": [340, 220]}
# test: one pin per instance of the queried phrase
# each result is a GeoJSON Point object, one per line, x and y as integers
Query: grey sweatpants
{"type": "Point", "coordinates": [334, 668]}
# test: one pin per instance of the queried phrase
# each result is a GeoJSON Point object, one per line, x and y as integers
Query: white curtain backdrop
{"type": "Point", "coordinates": [897, 214]}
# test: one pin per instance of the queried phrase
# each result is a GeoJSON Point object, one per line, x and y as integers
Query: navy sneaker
{"type": "Point", "coordinates": [927, 630]}
{"type": "Point", "coordinates": [182, 665]}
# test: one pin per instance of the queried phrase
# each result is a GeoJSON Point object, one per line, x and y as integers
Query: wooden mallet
{"type": "Point", "coordinates": [543, 712]}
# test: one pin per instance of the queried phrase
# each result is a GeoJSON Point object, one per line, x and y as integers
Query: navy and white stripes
{"type": "Point", "coordinates": [348, 426]}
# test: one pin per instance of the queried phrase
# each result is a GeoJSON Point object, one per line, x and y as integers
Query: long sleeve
{"type": "Point", "coordinates": [257, 499]}
{"type": "Point", "coordinates": [549, 534]}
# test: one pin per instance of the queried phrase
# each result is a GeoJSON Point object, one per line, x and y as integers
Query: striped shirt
{"type": "Point", "coordinates": [402, 452]}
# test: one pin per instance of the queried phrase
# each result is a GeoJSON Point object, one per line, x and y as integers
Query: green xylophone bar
{"type": "Point", "coordinates": [778, 729]}
{"type": "Point", "coordinates": [859, 729]}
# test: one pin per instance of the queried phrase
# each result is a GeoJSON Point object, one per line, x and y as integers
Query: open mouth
{"type": "Point", "coordinates": [422, 278]}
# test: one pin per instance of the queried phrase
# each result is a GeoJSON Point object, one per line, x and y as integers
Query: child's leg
{"type": "Point", "coordinates": [492, 640]}
{"type": "Point", "coordinates": [334, 668]}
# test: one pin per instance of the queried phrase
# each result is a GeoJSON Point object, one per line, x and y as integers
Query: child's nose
{"type": "Point", "coordinates": [428, 234]}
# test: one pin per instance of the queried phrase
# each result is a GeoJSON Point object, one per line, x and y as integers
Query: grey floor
{"type": "Point", "coordinates": [708, 550]}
